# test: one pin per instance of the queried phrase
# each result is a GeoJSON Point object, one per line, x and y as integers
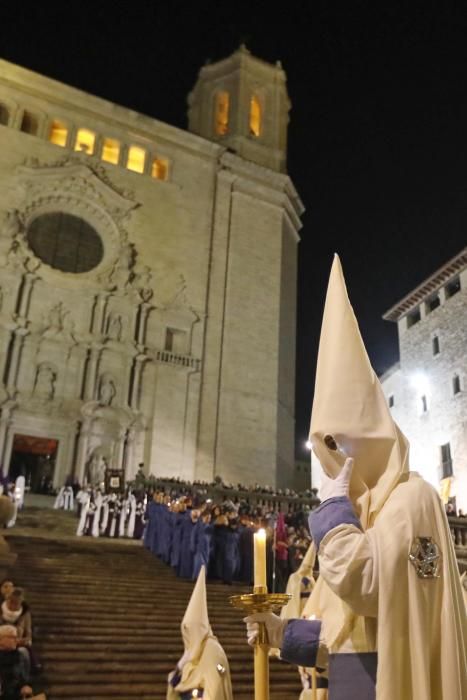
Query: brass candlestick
{"type": "Point", "coordinates": [257, 602]}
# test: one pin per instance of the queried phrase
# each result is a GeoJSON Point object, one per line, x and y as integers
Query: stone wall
{"type": "Point", "coordinates": [422, 389]}
{"type": "Point", "coordinates": [177, 348]}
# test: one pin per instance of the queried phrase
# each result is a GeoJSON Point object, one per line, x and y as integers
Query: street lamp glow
{"type": "Point", "coordinates": [420, 382]}
{"type": "Point", "coordinates": [308, 445]}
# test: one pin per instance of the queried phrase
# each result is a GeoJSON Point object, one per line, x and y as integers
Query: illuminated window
{"type": "Point", "coordinates": [85, 141]}
{"type": "Point", "coordinates": [58, 133]}
{"type": "Point", "coordinates": [136, 159]}
{"type": "Point", "coordinates": [255, 116]}
{"type": "Point", "coordinates": [4, 115]}
{"type": "Point", "coordinates": [221, 117]}
{"type": "Point", "coordinates": [111, 151]}
{"type": "Point", "coordinates": [160, 168]}
{"type": "Point", "coordinates": [29, 123]}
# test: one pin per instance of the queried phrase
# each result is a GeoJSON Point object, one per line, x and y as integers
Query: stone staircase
{"type": "Point", "coordinates": [107, 617]}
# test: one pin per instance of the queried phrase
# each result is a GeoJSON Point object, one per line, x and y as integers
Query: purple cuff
{"type": "Point", "coordinates": [301, 642]}
{"type": "Point", "coordinates": [330, 514]}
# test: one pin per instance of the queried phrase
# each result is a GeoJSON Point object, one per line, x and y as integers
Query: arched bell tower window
{"type": "Point", "coordinates": [58, 133]}
{"type": "Point", "coordinates": [255, 116]}
{"type": "Point", "coordinates": [29, 123]}
{"type": "Point", "coordinates": [221, 113]}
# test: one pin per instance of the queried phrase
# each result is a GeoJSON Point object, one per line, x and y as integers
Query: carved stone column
{"type": "Point", "coordinates": [99, 316]}
{"type": "Point", "coordinates": [25, 294]}
{"type": "Point", "coordinates": [121, 448]}
{"type": "Point", "coordinates": [82, 450]}
{"type": "Point", "coordinates": [128, 456]}
{"type": "Point", "coordinates": [142, 321]}
{"type": "Point", "coordinates": [135, 388]}
{"type": "Point", "coordinates": [91, 374]}
{"type": "Point", "coordinates": [4, 423]}
{"type": "Point", "coordinates": [12, 370]}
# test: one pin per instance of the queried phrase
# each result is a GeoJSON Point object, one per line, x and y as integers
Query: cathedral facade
{"type": "Point", "coordinates": [148, 281]}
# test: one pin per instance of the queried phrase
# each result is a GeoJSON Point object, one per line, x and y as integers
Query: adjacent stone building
{"type": "Point", "coordinates": [427, 389]}
{"type": "Point", "coordinates": [148, 281]}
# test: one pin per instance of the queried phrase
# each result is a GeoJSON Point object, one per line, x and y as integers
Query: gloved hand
{"type": "Point", "coordinates": [183, 660]}
{"type": "Point", "coordinates": [333, 488]}
{"type": "Point", "coordinates": [275, 628]}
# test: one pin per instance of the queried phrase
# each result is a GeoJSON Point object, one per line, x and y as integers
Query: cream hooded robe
{"type": "Point", "coordinates": [207, 666]}
{"type": "Point", "coordinates": [296, 607]}
{"type": "Point", "coordinates": [369, 595]}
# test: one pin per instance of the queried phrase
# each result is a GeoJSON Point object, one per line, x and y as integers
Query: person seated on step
{"type": "Point", "coordinates": [14, 666]}
{"type": "Point", "coordinates": [15, 611]}
{"type": "Point", "coordinates": [6, 588]}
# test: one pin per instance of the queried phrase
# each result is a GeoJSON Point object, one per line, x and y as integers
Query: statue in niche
{"type": "Point", "coordinates": [58, 321]}
{"type": "Point", "coordinates": [44, 385]}
{"type": "Point", "coordinates": [114, 329]}
{"type": "Point", "coordinates": [107, 390]}
{"type": "Point", "coordinates": [11, 230]}
{"type": "Point", "coordinates": [96, 467]}
{"type": "Point", "coordinates": [123, 267]}
{"type": "Point", "coordinates": [142, 282]}
{"type": "Point", "coordinates": [56, 318]}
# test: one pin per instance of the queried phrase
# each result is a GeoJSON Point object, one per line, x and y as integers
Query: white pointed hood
{"type": "Point", "coordinates": [349, 406]}
{"type": "Point", "coordinates": [195, 625]}
{"type": "Point", "coordinates": [296, 604]}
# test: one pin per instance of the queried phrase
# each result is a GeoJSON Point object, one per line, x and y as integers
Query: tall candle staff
{"type": "Point", "coordinates": [260, 601]}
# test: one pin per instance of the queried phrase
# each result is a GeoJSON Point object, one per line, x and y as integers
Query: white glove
{"type": "Point", "coordinates": [275, 628]}
{"type": "Point", "coordinates": [183, 660]}
{"type": "Point", "coordinates": [333, 488]}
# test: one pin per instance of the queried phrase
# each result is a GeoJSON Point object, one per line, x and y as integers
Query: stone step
{"type": "Point", "coordinates": [107, 621]}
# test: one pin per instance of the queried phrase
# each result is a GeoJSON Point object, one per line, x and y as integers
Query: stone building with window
{"type": "Point", "coordinates": [147, 281]}
{"type": "Point", "coordinates": [427, 389]}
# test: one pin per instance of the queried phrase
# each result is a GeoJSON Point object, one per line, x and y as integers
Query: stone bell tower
{"type": "Point", "coordinates": [242, 102]}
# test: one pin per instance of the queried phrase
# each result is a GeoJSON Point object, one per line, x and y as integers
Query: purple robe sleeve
{"type": "Point", "coordinates": [330, 514]}
{"type": "Point", "coordinates": [301, 642]}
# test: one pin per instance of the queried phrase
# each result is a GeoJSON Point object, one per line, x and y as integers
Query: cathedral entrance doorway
{"type": "Point", "coordinates": [34, 458]}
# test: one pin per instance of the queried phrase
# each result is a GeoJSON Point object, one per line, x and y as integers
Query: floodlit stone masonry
{"type": "Point", "coordinates": [427, 389]}
{"type": "Point", "coordinates": [148, 279]}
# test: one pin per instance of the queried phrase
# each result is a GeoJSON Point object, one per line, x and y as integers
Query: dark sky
{"type": "Point", "coordinates": [378, 132]}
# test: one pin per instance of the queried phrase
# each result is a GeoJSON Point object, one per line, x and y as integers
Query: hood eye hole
{"type": "Point", "coordinates": [330, 443]}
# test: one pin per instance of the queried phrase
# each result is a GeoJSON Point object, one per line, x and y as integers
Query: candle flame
{"type": "Point", "coordinates": [261, 534]}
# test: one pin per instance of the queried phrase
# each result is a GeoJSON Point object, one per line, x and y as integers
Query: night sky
{"type": "Point", "coordinates": [377, 138]}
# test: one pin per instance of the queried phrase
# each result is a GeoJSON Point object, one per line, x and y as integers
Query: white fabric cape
{"type": "Point", "coordinates": [418, 626]}
{"type": "Point", "coordinates": [132, 516]}
{"type": "Point", "coordinates": [203, 672]}
{"type": "Point", "coordinates": [295, 606]}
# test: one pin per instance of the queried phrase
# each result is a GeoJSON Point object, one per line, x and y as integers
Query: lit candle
{"type": "Point", "coordinates": [260, 558]}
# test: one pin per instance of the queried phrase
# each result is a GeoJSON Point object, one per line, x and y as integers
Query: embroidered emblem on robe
{"type": "Point", "coordinates": [425, 557]}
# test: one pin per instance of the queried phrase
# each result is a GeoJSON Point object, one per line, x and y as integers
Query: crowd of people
{"type": "Point", "coordinates": [18, 661]}
{"type": "Point", "coordinates": [187, 531]}
{"type": "Point", "coordinates": [183, 486]}
{"type": "Point", "coordinates": [111, 514]}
